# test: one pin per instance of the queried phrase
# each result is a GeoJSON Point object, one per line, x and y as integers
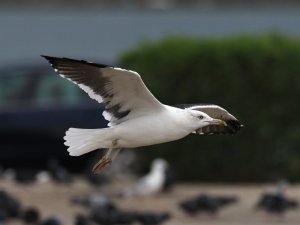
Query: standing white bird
{"type": "Point", "coordinates": [136, 118]}
{"type": "Point", "coordinates": [150, 184]}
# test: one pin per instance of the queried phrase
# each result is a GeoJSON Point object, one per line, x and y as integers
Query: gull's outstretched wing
{"type": "Point", "coordinates": [216, 112]}
{"type": "Point", "coordinates": [122, 91]}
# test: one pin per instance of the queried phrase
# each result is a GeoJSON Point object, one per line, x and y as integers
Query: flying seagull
{"type": "Point", "coordinates": [136, 118]}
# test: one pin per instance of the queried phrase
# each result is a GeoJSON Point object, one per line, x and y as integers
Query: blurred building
{"type": "Point", "coordinates": [155, 4]}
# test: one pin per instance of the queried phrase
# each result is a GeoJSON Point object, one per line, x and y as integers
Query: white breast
{"type": "Point", "coordinates": [152, 129]}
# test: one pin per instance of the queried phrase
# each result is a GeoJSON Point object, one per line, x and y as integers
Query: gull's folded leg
{"type": "Point", "coordinates": [106, 160]}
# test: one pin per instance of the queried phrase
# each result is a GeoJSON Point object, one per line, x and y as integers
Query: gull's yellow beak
{"type": "Point", "coordinates": [218, 122]}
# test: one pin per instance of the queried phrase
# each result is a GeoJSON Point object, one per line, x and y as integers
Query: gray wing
{"type": "Point", "coordinates": [122, 91]}
{"type": "Point", "coordinates": [216, 112]}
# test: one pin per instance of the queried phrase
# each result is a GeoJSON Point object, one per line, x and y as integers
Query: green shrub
{"type": "Point", "coordinates": [255, 78]}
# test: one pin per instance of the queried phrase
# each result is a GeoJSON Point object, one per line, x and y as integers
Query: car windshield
{"type": "Point", "coordinates": [36, 87]}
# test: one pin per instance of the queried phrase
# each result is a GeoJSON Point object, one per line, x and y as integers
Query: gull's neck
{"type": "Point", "coordinates": [183, 118]}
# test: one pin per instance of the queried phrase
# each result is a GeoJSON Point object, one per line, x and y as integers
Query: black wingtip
{"type": "Point", "coordinates": [52, 59]}
{"type": "Point", "coordinates": [46, 56]}
{"type": "Point", "coordinates": [49, 58]}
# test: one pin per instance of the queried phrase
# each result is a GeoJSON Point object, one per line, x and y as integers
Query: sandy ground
{"type": "Point", "coordinates": [54, 199]}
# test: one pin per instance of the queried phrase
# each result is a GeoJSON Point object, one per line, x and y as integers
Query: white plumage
{"type": "Point", "coordinates": [150, 184]}
{"type": "Point", "coordinates": [136, 118]}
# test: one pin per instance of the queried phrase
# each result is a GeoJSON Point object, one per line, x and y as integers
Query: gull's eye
{"type": "Point", "coordinates": [200, 117]}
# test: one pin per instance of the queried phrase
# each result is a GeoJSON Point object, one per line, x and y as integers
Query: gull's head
{"type": "Point", "coordinates": [159, 165]}
{"type": "Point", "coordinates": [201, 119]}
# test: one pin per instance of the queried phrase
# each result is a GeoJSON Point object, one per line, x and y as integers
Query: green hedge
{"type": "Point", "coordinates": [256, 78]}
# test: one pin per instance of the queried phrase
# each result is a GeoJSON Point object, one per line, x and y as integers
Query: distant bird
{"type": "Point", "coordinates": [43, 177]}
{"type": "Point", "coordinates": [123, 166]}
{"type": "Point", "coordinates": [150, 184]}
{"type": "Point", "coordinates": [51, 221]}
{"type": "Point", "coordinates": [150, 218]}
{"type": "Point", "coordinates": [95, 179]}
{"type": "Point", "coordinates": [277, 202]}
{"type": "Point", "coordinates": [136, 118]}
{"type": "Point", "coordinates": [10, 207]}
{"type": "Point", "coordinates": [94, 200]}
{"type": "Point", "coordinates": [58, 172]}
{"type": "Point", "coordinates": [205, 203]}
{"type": "Point", "coordinates": [31, 215]}
{"type": "Point", "coordinates": [25, 175]}
{"type": "Point", "coordinates": [111, 216]}
{"type": "Point", "coordinates": [81, 220]}
{"type": "Point", "coordinates": [170, 180]}
{"type": "Point", "coordinates": [103, 211]}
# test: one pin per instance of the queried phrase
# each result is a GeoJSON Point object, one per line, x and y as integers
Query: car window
{"type": "Point", "coordinates": [11, 87]}
{"type": "Point", "coordinates": [54, 89]}
{"type": "Point", "coordinates": [37, 87]}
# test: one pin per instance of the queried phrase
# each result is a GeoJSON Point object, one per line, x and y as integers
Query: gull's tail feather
{"type": "Point", "coordinates": [82, 141]}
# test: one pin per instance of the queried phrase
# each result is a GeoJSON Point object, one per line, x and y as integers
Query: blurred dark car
{"type": "Point", "coordinates": [36, 108]}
